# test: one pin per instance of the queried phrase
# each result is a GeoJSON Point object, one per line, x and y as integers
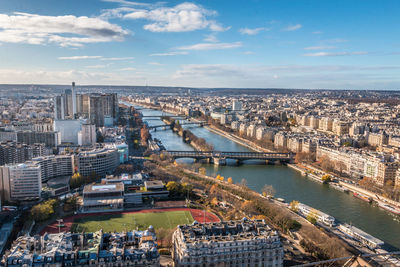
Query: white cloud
{"type": "Point", "coordinates": [96, 66]}
{"type": "Point", "coordinates": [117, 58]}
{"type": "Point", "coordinates": [211, 46]}
{"type": "Point", "coordinates": [286, 76]}
{"type": "Point", "coordinates": [65, 76]}
{"type": "Point", "coordinates": [293, 27]}
{"type": "Point", "coordinates": [127, 69]}
{"type": "Point", "coordinates": [211, 38]}
{"type": "Point", "coordinates": [335, 54]}
{"type": "Point", "coordinates": [254, 31]}
{"type": "Point", "coordinates": [66, 30]}
{"type": "Point", "coordinates": [184, 17]}
{"type": "Point", "coordinates": [321, 47]}
{"type": "Point", "coordinates": [175, 53]}
{"type": "Point", "coordinates": [248, 53]}
{"type": "Point", "coordinates": [96, 57]}
{"type": "Point", "coordinates": [79, 57]}
{"type": "Point", "coordinates": [127, 3]}
{"type": "Point", "coordinates": [155, 63]}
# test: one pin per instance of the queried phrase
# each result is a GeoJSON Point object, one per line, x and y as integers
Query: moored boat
{"type": "Point", "coordinates": [389, 208]}
{"type": "Point", "coordinates": [362, 197]}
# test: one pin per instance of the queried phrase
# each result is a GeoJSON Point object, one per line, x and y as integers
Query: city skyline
{"type": "Point", "coordinates": [257, 44]}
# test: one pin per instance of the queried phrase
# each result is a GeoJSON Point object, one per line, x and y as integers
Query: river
{"type": "Point", "coordinates": [290, 185]}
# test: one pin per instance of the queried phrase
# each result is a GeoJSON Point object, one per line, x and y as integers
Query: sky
{"type": "Point", "coordinates": [310, 44]}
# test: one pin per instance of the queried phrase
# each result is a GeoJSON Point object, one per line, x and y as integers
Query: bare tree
{"type": "Point", "coordinates": [268, 190]}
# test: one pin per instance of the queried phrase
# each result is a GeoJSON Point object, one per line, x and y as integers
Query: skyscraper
{"type": "Point", "coordinates": [73, 96]}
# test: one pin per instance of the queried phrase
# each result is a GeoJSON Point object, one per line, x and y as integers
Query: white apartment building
{"type": "Point", "coordinates": [55, 166]}
{"type": "Point", "coordinates": [20, 182]}
{"type": "Point", "coordinates": [98, 161]}
{"type": "Point", "coordinates": [231, 243]}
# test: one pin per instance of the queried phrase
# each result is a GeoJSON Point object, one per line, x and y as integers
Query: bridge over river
{"type": "Point", "coordinates": [220, 157]}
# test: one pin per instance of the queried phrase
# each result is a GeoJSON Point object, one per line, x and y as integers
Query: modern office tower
{"type": "Point", "coordinates": [96, 110]}
{"type": "Point", "coordinates": [236, 105]}
{"type": "Point", "coordinates": [50, 139]}
{"type": "Point", "coordinates": [68, 130]}
{"type": "Point", "coordinates": [54, 166]}
{"type": "Point", "coordinates": [230, 243]}
{"type": "Point", "coordinates": [98, 161]}
{"type": "Point", "coordinates": [59, 108]}
{"type": "Point", "coordinates": [68, 107]}
{"type": "Point", "coordinates": [73, 95]}
{"type": "Point", "coordinates": [20, 182]}
{"type": "Point", "coordinates": [87, 135]}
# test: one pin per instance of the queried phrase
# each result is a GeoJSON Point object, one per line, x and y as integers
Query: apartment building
{"type": "Point", "coordinates": [55, 166]}
{"type": "Point", "coordinates": [230, 243]}
{"type": "Point", "coordinates": [20, 182]}
{"type": "Point", "coordinates": [131, 248]}
{"type": "Point", "coordinates": [98, 161]}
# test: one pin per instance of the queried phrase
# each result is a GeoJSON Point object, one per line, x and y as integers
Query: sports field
{"type": "Point", "coordinates": [131, 221]}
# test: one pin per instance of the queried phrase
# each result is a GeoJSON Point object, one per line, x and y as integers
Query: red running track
{"type": "Point", "coordinates": [198, 215]}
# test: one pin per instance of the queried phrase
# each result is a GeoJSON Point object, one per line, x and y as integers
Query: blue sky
{"type": "Point", "coordinates": [342, 44]}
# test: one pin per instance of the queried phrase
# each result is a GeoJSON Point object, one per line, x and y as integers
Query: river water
{"type": "Point", "coordinates": [290, 185]}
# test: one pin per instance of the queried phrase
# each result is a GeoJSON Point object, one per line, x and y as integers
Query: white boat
{"type": "Point", "coordinates": [361, 236]}
{"type": "Point", "coordinates": [389, 208]}
{"type": "Point", "coordinates": [319, 215]}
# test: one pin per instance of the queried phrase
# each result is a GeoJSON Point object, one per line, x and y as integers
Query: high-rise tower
{"type": "Point", "coordinates": [73, 100]}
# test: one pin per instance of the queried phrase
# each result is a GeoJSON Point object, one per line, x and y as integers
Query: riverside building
{"type": "Point", "coordinates": [230, 243]}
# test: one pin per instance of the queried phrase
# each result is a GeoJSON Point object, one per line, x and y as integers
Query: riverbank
{"type": "Point", "coordinates": [394, 207]}
{"type": "Point", "coordinates": [276, 213]}
{"type": "Point", "coordinates": [290, 185]}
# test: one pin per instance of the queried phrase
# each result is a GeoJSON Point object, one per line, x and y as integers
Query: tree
{"type": "Point", "coordinates": [248, 207]}
{"type": "Point", "coordinates": [214, 201]}
{"type": "Point", "coordinates": [202, 171]}
{"type": "Point", "coordinates": [311, 218]}
{"type": "Point", "coordinates": [326, 164]}
{"type": "Point", "coordinates": [144, 134]}
{"type": "Point", "coordinates": [229, 180]}
{"type": "Point", "coordinates": [214, 189]}
{"type": "Point", "coordinates": [326, 178]}
{"type": "Point", "coordinates": [243, 183]}
{"type": "Point", "coordinates": [174, 188]}
{"type": "Point", "coordinates": [76, 180]}
{"type": "Point", "coordinates": [268, 190]}
{"type": "Point", "coordinates": [341, 166]}
{"type": "Point", "coordinates": [294, 206]}
{"type": "Point", "coordinates": [44, 211]}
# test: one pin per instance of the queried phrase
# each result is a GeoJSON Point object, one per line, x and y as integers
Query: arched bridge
{"type": "Point", "coordinates": [200, 123]}
{"type": "Point", "coordinates": [219, 157]}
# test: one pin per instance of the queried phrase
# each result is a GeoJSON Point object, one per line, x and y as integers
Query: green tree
{"type": "Point", "coordinates": [174, 188]}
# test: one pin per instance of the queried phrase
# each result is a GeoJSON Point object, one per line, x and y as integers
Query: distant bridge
{"type": "Point", "coordinates": [160, 116]}
{"type": "Point", "coordinates": [199, 123]}
{"type": "Point", "coordinates": [219, 157]}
